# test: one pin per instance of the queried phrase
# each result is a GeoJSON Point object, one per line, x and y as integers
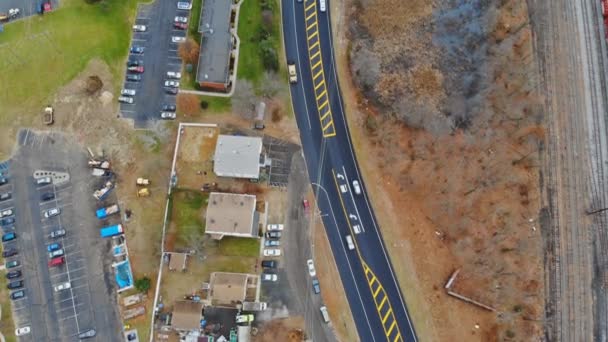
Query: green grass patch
{"type": "Point", "coordinates": [217, 104]}
{"type": "Point", "coordinates": [195, 16]}
{"type": "Point", "coordinates": [242, 247]}
{"type": "Point", "coordinates": [42, 53]}
{"type": "Point", "coordinates": [187, 214]}
{"type": "Point", "coordinates": [7, 326]}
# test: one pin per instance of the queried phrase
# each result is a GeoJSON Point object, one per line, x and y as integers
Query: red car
{"type": "Point", "coordinates": [180, 26]}
{"type": "Point", "coordinates": [306, 205]}
{"type": "Point", "coordinates": [57, 261]}
{"type": "Point", "coordinates": [136, 69]}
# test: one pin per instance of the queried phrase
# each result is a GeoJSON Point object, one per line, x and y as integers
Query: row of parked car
{"type": "Point", "coordinates": [273, 239]}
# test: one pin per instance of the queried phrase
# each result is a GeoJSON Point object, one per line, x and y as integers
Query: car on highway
{"type": "Point", "coordinates": [137, 49]}
{"type": "Point", "coordinates": [3, 181]}
{"type": "Point", "coordinates": [5, 196]}
{"type": "Point", "coordinates": [22, 331]}
{"type": "Point", "coordinates": [356, 187]}
{"type": "Point", "coordinates": [134, 62]}
{"type": "Point", "coordinates": [272, 243]}
{"type": "Point", "coordinates": [269, 277]}
{"type": "Point", "coordinates": [57, 233]}
{"type": "Point", "coordinates": [47, 196]}
{"type": "Point", "coordinates": [316, 287]}
{"type": "Point", "coordinates": [274, 226]}
{"type": "Point", "coordinates": [324, 314]}
{"type": "Point", "coordinates": [349, 242]}
{"type": "Point", "coordinates": [87, 334]}
{"type": "Point", "coordinates": [56, 261]}
{"type": "Point", "coordinates": [291, 69]}
{"type": "Point", "coordinates": [17, 295]}
{"type": "Point", "coordinates": [63, 286]}
{"type": "Point", "coordinates": [174, 74]}
{"type": "Point", "coordinates": [133, 78]}
{"type": "Point", "coordinates": [182, 5]}
{"type": "Point", "coordinates": [136, 69]}
{"type": "Point", "coordinates": [306, 205]}
{"type": "Point", "coordinates": [9, 252]}
{"type": "Point", "coordinates": [12, 264]}
{"type": "Point", "coordinates": [273, 234]}
{"type": "Point", "coordinates": [9, 237]}
{"type": "Point", "coordinates": [169, 108]}
{"type": "Point", "coordinates": [43, 180]}
{"type": "Point", "coordinates": [356, 228]}
{"type": "Point", "coordinates": [56, 253]}
{"type": "Point", "coordinates": [170, 83]}
{"type": "Point", "coordinates": [13, 274]}
{"type": "Point", "coordinates": [168, 115]}
{"type": "Point", "coordinates": [7, 221]}
{"type": "Point", "coordinates": [172, 91]}
{"type": "Point", "coordinates": [139, 28]}
{"type": "Point", "coordinates": [13, 285]}
{"type": "Point", "coordinates": [311, 267]}
{"type": "Point", "coordinates": [274, 252]}
{"type": "Point", "coordinates": [126, 99]}
{"type": "Point", "coordinates": [240, 319]}
{"type": "Point", "coordinates": [180, 26]}
{"type": "Point", "coordinates": [269, 264]}
{"type": "Point", "coordinates": [52, 212]}
{"type": "Point", "coordinates": [6, 212]}
{"type": "Point", "coordinates": [53, 247]}
{"type": "Point", "coordinates": [322, 5]}
{"type": "Point", "coordinates": [178, 39]}
{"type": "Point", "coordinates": [128, 92]}
{"type": "Point", "coordinates": [179, 19]}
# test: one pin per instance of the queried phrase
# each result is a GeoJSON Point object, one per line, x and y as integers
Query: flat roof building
{"type": "Point", "coordinates": [231, 215]}
{"type": "Point", "coordinates": [213, 70]}
{"type": "Point", "coordinates": [187, 315]}
{"type": "Point", "coordinates": [238, 156]}
{"type": "Point", "coordinates": [230, 289]}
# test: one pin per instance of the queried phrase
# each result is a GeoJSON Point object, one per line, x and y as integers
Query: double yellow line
{"type": "Point", "coordinates": [383, 305]}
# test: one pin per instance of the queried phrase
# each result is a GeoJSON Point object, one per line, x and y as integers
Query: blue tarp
{"type": "Point", "coordinates": [124, 277]}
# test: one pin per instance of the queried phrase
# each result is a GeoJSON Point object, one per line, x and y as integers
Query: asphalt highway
{"type": "Point", "coordinates": [373, 293]}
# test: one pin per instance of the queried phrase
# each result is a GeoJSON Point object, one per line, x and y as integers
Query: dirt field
{"type": "Point", "coordinates": [450, 121]}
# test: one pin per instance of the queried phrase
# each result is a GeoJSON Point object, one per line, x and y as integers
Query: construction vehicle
{"type": "Point", "coordinates": [48, 115]}
{"type": "Point", "coordinates": [105, 212]}
{"type": "Point", "coordinates": [143, 192]}
{"type": "Point", "coordinates": [110, 231]}
{"type": "Point", "coordinates": [100, 164]}
{"type": "Point", "coordinates": [143, 181]}
{"type": "Point", "coordinates": [103, 192]}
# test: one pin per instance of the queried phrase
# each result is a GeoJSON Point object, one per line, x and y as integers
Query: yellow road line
{"type": "Point", "coordinates": [312, 4]}
{"type": "Point", "coordinates": [329, 135]}
{"type": "Point", "coordinates": [390, 329]}
{"type": "Point", "coordinates": [325, 115]}
{"type": "Point", "coordinates": [372, 281]}
{"type": "Point", "coordinates": [388, 313]}
{"type": "Point", "coordinates": [320, 73]}
{"type": "Point", "coordinates": [311, 15]}
{"type": "Point", "coordinates": [323, 105]}
{"type": "Point", "coordinates": [328, 124]}
{"type": "Point", "coordinates": [313, 25]}
{"type": "Point", "coordinates": [319, 85]}
{"type": "Point", "coordinates": [316, 33]}
{"type": "Point", "coordinates": [324, 92]}
{"type": "Point", "coordinates": [382, 303]}
{"type": "Point", "coordinates": [313, 45]}
{"type": "Point", "coordinates": [316, 64]}
{"type": "Point", "coordinates": [398, 337]}
{"type": "Point", "coordinates": [315, 54]}
{"type": "Point", "coordinates": [378, 290]}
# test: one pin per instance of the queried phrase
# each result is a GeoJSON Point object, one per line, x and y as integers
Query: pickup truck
{"type": "Point", "coordinates": [110, 231]}
{"type": "Point", "coordinates": [105, 212]}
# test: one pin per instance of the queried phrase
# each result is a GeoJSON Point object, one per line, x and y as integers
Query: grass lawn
{"type": "Point", "coordinates": [41, 54]}
{"type": "Point", "coordinates": [187, 215]}
{"type": "Point", "coordinates": [241, 247]}
{"type": "Point", "coordinates": [217, 104]}
{"type": "Point", "coordinates": [7, 326]}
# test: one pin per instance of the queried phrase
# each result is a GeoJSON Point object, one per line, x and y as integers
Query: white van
{"type": "Point", "coordinates": [349, 242]}
{"type": "Point", "coordinates": [324, 314]}
{"type": "Point", "coordinates": [356, 187]}
{"type": "Point", "coordinates": [322, 5]}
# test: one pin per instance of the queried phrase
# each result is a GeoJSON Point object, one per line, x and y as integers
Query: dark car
{"type": "Point", "coordinates": [3, 181]}
{"type": "Point", "coordinates": [47, 196]}
{"type": "Point", "coordinates": [137, 49]}
{"type": "Point", "coordinates": [5, 196]}
{"type": "Point", "coordinates": [7, 221]}
{"type": "Point", "coordinates": [131, 337]}
{"type": "Point", "coordinates": [269, 264]}
{"type": "Point", "coordinates": [13, 285]}
{"type": "Point", "coordinates": [9, 237]}
{"type": "Point", "coordinates": [133, 78]}
{"type": "Point", "coordinates": [315, 286]}
{"type": "Point", "coordinates": [13, 274]}
{"type": "Point", "coordinates": [9, 252]}
{"type": "Point", "coordinates": [132, 63]}
{"type": "Point", "coordinates": [172, 91]}
{"type": "Point", "coordinates": [273, 235]}
{"type": "Point", "coordinates": [12, 264]}
{"type": "Point", "coordinates": [169, 108]}
{"type": "Point", "coordinates": [17, 294]}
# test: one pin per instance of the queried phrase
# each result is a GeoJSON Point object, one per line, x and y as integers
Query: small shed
{"type": "Point", "coordinates": [260, 113]}
{"type": "Point", "coordinates": [177, 261]}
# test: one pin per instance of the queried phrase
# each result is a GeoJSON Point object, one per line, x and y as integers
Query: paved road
{"type": "Point", "coordinates": [373, 292]}
{"type": "Point", "coordinates": [27, 7]}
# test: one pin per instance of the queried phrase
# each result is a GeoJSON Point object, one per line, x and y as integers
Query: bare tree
{"type": "Point", "coordinates": [94, 84]}
{"type": "Point", "coordinates": [366, 67]}
{"type": "Point", "coordinates": [189, 51]}
{"type": "Point", "coordinates": [271, 84]}
{"type": "Point", "coordinates": [244, 100]}
{"type": "Point", "coordinates": [188, 104]}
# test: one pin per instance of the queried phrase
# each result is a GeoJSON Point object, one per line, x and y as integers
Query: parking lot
{"type": "Point", "coordinates": [89, 303]}
{"type": "Point", "coordinates": [26, 7]}
{"type": "Point", "coordinates": [159, 56]}
{"type": "Point", "coordinates": [280, 152]}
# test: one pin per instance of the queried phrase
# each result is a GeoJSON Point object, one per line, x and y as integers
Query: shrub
{"type": "Point", "coordinates": [204, 104]}
{"type": "Point", "coordinates": [143, 284]}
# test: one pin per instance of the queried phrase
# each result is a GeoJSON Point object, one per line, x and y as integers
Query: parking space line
{"type": "Point", "coordinates": [75, 279]}
{"type": "Point", "coordinates": [68, 317]}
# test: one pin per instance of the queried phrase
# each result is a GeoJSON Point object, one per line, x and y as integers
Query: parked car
{"type": "Point", "coordinates": [139, 28]}
{"type": "Point", "coordinates": [272, 243]}
{"type": "Point", "coordinates": [13, 285]}
{"type": "Point", "coordinates": [134, 62]}
{"type": "Point", "coordinates": [132, 336]}
{"type": "Point", "coordinates": [52, 212]}
{"type": "Point", "coordinates": [56, 253]}
{"type": "Point", "coordinates": [356, 187]}
{"type": "Point", "coordinates": [182, 5]}
{"type": "Point", "coordinates": [315, 286]}
{"type": "Point", "coordinates": [128, 92]}
{"type": "Point", "coordinates": [311, 267]}
{"type": "Point", "coordinates": [293, 76]}
{"type": "Point", "coordinates": [7, 221]}
{"type": "Point", "coordinates": [275, 252]}
{"type": "Point", "coordinates": [244, 318]}
{"type": "Point", "coordinates": [5, 196]}
{"type": "Point", "coordinates": [47, 196]}
{"type": "Point", "coordinates": [269, 277]}
{"type": "Point", "coordinates": [167, 115]}
{"type": "Point", "coordinates": [9, 252]}
{"type": "Point", "coordinates": [174, 74]}
{"type": "Point", "coordinates": [87, 334]}
{"type": "Point", "coordinates": [3, 181]}
{"type": "Point", "coordinates": [273, 226]}
{"type": "Point", "coordinates": [63, 286]}
{"type": "Point", "coordinates": [44, 181]}
{"type": "Point", "coordinates": [136, 69]}
{"type": "Point", "coordinates": [9, 237]}
{"type": "Point", "coordinates": [12, 264]}
{"type": "Point", "coordinates": [269, 263]}
{"type": "Point", "coordinates": [178, 39]}
{"type": "Point", "coordinates": [53, 247]}
{"type": "Point", "coordinates": [17, 295]}
{"type": "Point", "coordinates": [126, 99]}
{"type": "Point", "coordinates": [57, 233]}
{"type": "Point", "coordinates": [137, 49]}
{"type": "Point", "coordinates": [22, 331]}
{"type": "Point", "coordinates": [169, 108]}
{"type": "Point", "coordinates": [273, 234]}
{"type": "Point", "coordinates": [180, 26]}
{"type": "Point", "coordinates": [181, 20]}
{"type": "Point", "coordinates": [172, 91]}
{"type": "Point", "coordinates": [56, 261]}
{"type": "Point", "coordinates": [170, 83]}
{"type": "Point", "coordinates": [133, 78]}
{"type": "Point", "coordinates": [6, 212]}
{"type": "Point", "coordinates": [13, 274]}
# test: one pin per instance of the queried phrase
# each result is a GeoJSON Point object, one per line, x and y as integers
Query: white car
{"type": "Point", "coordinates": [56, 253]}
{"type": "Point", "coordinates": [356, 187]}
{"type": "Point", "coordinates": [311, 267]}
{"type": "Point", "coordinates": [43, 180]}
{"type": "Point", "coordinates": [22, 331]}
{"type": "Point", "coordinates": [184, 5]}
{"type": "Point", "coordinates": [275, 252]}
{"type": "Point", "coordinates": [167, 115]}
{"type": "Point", "coordinates": [293, 76]}
{"type": "Point", "coordinates": [128, 92]}
{"type": "Point", "coordinates": [177, 39]}
{"type": "Point", "coordinates": [5, 213]}
{"type": "Point", "coordinates": [172, 84]}
{"type": "Point", "coordinates": [181, 20]}
{"type": "Point", "coordinates": [174, 74]}
{"type": "Point", "coordinates": [269, 277]}
{"type": "Point", "coordinates": [357, 228]}
{"type": "Point", "coordinates": [349, 242]}
{"type": "Point", "coordinates": [52, 212]}
{"type": "Point", "coordinates": [125, 99]}
{"type": "Point", "coordinates": [273, 226]}
{"type": "Point", "coordinates": [63, 286]}
{"type": "Point", "coordinates": [139, 28]}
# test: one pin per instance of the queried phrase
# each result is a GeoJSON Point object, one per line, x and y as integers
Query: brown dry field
{"type": "Point", "coordinates": [466, 201]}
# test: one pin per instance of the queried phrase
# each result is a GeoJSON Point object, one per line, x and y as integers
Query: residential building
{"type": "Point", "coordinates": [238, 156]}
{"type": "Point", "coordinates": [231, 215]}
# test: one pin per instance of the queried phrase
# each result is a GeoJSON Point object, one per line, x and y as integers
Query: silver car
{"type": "Point", "coordinates": [56, 253]}
{"type": "Point", "coordinates": [172, 84]}
{"type": "Point", "coordinates": [167, 116]}
{"type": "Point", "coordinates": [128, 92]}
{"type": "Point", "coordinates": [52, 212]}
{"type": "Point", "coordinates": [126, 99]}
